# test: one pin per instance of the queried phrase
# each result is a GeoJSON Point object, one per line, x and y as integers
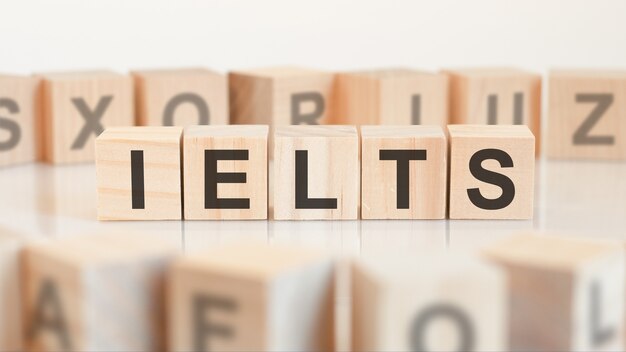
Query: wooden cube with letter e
{"type": "Point", "coordinates": [77, 107]}
{"type": "Point", "coordinates": [17, 120]}
{"type": "Point", "coordinates": [492, 172]}
{"type": "Point", "coordinates": [252, 298]}
{"type": "Point", "coordinates": [587, 114]}
{"type": "Point", "coordinates": [181, 97]}
{"type": "Point", "coordinates": [566, 294]}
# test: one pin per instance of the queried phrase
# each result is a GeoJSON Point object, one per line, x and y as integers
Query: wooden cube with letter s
{"type": "Point", "coordinates": [17, 120]}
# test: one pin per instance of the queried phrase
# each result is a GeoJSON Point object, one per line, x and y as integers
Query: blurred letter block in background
{"type": "Point", "coordinates": [316, 173]}
{"type": "Point", "coordinates": [252, 298]}
{"type": "Point", "coordinates": [566, 294]}
{"type": "Point", "coordinates": [77, 107]}
{"type": "Point", "coordinates": [181, 97]}
{"type": "Point", "coordinates": [225, 172]}
{"type": "Point", "coordinates": [17, 120]}
{"type": "Point", "coordinates": [447, 303]}
{"type": "Point", "coordinates": [392, 97]}
{"type": "Point", "coordinates": [139, 173]}
{"type": "Point", "coordinates": [96, 293]}
{"type": "Point", "coordinates": [496, 96]}
{"type": "Point", "coordinates": [492, 172]}
{"type": "Point", "coordinates": [403, 172]}
{"type": "Point", "coordinates": [587, 114]}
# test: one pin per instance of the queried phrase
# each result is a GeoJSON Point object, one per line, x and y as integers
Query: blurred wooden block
{"type": "Point", "coordinates": [587, 114]}
{"type": "Point", "coordinates": [496, 96]}
{"type": "Point", "coordinates": [10, 294]}
{"type": "Point", "coordinates": [139, 173]}
{"type": "Point", "coordinates": [96, 293]}
{"type": "Point", "coordinates": [566, 294]}
{"type": "Point", "coordinates": [225, 172]}
{"type": "Point", "coordinates": [181, 97]}
{"type": "Point", "coordinates": [77, 107]}
{"type": "Point", "coordinates": [17, 119]}
{"type": "Point", "coordinates": [280, 96]}
{"type": "Point", "coordinates": [403, 172]}
{"type": "Point", "coordinates": [435, 303]}
{"type": "Point", "coordinates": [492, 172]}
{"type": "Point", "coordinates": [316, 173]}
{"type": "Point", "coordinates": [392, 97]}
{"type": "Point", "coordinates": [252, 298]}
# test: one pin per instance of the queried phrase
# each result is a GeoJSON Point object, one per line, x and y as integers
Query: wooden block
{"type": "Point", "coordinates": [77, 107]}
{"type": "Point", "coordinates": [252, 298]}
{"type": "Point", "coordinates": [403, 172]}
{"type": "Point", "coordinates": [225, 172]}
{"type": "Point", "coordinates": [392, 97]}
{"type": "Point", "coordinates": [181, 97]}
{"type": "Point", "coordinates": [17, 120]}
{"type": "Point", "coordinates": [496, 96]}
{"type": "Point", "coordinates": [492, 172]}
{"type": "Point", "coordinates": [587, 114]}
{"type": "Point", "coordinates": [434, 303]}
{"type": "Point", "coordinates": [139, 173]}
{"type": "Point", "coordinates": [96, 293]}
{"type": "Point", "coordinates": [10, 295]}
{"type": "Point", "coordinates": [316, 173]}
{"type": "Point", "coordinates": [566, 294]}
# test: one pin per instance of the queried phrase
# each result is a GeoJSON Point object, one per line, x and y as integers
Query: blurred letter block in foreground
{"type": "Point", "coordinates": [10, 298]}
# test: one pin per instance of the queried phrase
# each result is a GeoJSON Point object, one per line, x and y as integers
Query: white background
{"type": "Point", "coordinates": [41, 35]}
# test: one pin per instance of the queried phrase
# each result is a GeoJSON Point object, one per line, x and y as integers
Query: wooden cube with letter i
{"type": "Point", "coordinates": [139, 173]}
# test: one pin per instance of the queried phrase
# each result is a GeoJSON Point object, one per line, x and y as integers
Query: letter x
{"type": "Point", "coordinates": [92, 119]}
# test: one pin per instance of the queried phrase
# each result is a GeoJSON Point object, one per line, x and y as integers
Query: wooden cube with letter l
{"type": "Point", "coordinates": [316, 173]}
{"type": "Point", "coordinates": [587, 114]}
{"type": "Point", "coordinates": [181, 97]}
{"type": "Point", "coordinates": [138, 173]}
{"type": "Point", "coordinates": [76, 107]}
{"type": "Point", "coordinates": [225, 172]}
{"type": "Point", "coordinates": [440, 302]}
{"type": "Point", "coordinates": [252, 298]}
{"type": "Point", "coordinates": [492, 172]}
{"type": "Point", "coordinates": [403, 172]}
{"type": "Point", "coordinates": [392, 97]}
{"type": "Point", "coordinates": [496, 96]}
{"type": "Point", "coordinates": [567, 294]}
{"type": "Point", "coordinates": [96, 293]}
{"type": "Point", "coordinates": [17, 120]}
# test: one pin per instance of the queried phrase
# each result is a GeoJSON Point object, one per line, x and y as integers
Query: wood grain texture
{"type": "Point", "coordinates": [427, 179]}
{"type": "Point", "coordinates": [162, 169]}
{"type": "Point", "coordinates": [435, 303]}
{"type": "Point", "coordinates": [566, 294]}
{"type": "Point", "coordinates": [249, 138]}
{"type": "Point", "coordinates": [180, 97]}
{"type": "Point", "coordinates": [386, 97]}
{"type": "Point", "coordinates": [252, 298]}
{"type": "Point", "coordinates": [61, 120]}
{"type": "Point", "coordinates": [516, 141]}
{"type": "Point", "coordinates": [471, 89]}
{"type": "Point", "coordinates": [96, 293]}
{"type": "Point", "coordinates": [333, 171]}
{"type": "Point", "coordinates": [574, 96]}
{"type": "Point", "coordinates": [17, 115]}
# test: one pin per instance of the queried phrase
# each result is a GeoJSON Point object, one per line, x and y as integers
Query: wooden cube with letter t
{"type": "Point", "coordinates": [17, 120]}
{"type": "Point", "coordinates": [252, 298]}
{"type": "Point", "coordinates": [316, 173]}
{"type": "Point", "coordinates": [225, 172]}
{"type": "Point", "coordinates": [496, 96]}
{"type": "Point", "coordinates": [404, 172]}
{"type": "Point", "coordinates": [96, 293]}
{"type": "Point", "coordinates": [138, 173]}
{"type": "Point", "coordinates": [181, 97]}
{"type": "Point", "coordinates": [77, 107]}
{"type": "Point", "coordinates": [566, 294]}
{"type": "Point", "coordinates": [492, 172]}
{"type": "Point", "coordinates": [587, 114]}
{"type": "Point", "coordinates": [432, 303]}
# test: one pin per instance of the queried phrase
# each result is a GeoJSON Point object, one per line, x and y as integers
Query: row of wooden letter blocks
{"type": "Point", "coordinates": [221, 172]}
{"type": "Point", "coordinates": [59, 114]}
{"type": "Point", "coordinates": [133, 293]}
